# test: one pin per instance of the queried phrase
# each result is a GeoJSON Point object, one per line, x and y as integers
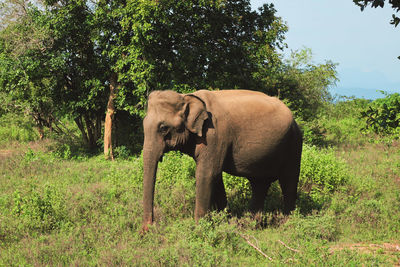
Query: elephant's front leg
{"type": "Point", "coordinates": [207, 177]}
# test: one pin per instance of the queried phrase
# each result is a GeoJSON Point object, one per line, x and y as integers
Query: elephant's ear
{"type": "Point", "coordinates": [195, 114]}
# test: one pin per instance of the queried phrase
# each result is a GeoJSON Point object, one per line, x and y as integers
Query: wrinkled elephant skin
{"type": "Point", "coordinates": [243, 133]}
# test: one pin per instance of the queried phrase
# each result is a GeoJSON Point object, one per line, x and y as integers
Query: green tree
{"type": "Point", "coordinates": [80, 59]}
{"type": "Point", "coordinates": [52, 62]}
{"type": "Point", "coordinates": [383, 115]}
{"type": "Point", "coordinates": [186, 45]}
{"type": "Point", "coordinates": [189, 45]}
{"type": "Point", "coordinates": [305, 85]}
{"type": "Point", "coordinates": [24, 77]}
{"type": "Point", "coordinates": [78, 66]}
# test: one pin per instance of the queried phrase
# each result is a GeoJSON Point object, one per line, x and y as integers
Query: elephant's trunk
{"type": "Point", "coordinates": [151, 155]}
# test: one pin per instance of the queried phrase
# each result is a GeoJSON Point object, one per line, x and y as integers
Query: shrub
{"type": "Point", "coordinates": [313, 132]}
{"type": "Point", "coordinates": [40, 211]}
{"type": "Point", "coordinates": [321, 174]}
{"type": "Point", "coordinates": [16, 127]}
{"type": "Point", "coordinates": [122, 152]}
{"type": "Point", "coordinates": [238, 192]}
{"type": "Point", "coordinates": [63, 151]}
{"type": "Point", "coordinates": [175, 189]}
{"type": "Point", "coordinates": [69, 149]}
{"type": "Point", "coordinates": [383, 116]}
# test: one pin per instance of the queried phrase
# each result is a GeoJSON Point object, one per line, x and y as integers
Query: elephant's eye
{"type": "Point", "coordinates": [163, 128]}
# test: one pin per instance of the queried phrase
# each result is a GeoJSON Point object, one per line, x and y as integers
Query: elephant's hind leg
{"type": "Point", "coordinates": [259, 189]}
{"type": "Point", "coordinates": [218, 198]}
{"type": "Point", "coordinates": [288, 184]}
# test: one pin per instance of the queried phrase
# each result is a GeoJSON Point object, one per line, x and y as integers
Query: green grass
{"type": "Point", "coordinates": [60, 206]}
{"type": "Point", "coordinates": [87, 211]}
{"type": "Point", "coordinates": [14, 127]}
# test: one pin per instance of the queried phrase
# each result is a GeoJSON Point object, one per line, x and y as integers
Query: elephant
{"type": "Point", "coordinates": [240, 132]}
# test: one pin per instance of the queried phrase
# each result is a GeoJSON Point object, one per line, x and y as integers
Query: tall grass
{"type": "Point", "coordinates": [60, 211]}
{"type": "Point", "coordinates": [14, 127]}
{"type": "Point", "coordinates": [60, 206]}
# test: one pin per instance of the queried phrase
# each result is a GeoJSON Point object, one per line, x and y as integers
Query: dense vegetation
{"type": "Point", "coordinates": [65, 64]}
{"type": "Point", "coordinates": [80, 59]}
{"type": "Point", "coordinates": [62, 206]}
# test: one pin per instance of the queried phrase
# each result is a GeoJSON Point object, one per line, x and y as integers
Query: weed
{"type": "Point", "coordinates": [122, 152]}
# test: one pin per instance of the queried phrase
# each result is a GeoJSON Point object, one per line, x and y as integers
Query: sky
{"type": "Point", "coordinates": [364, 44]}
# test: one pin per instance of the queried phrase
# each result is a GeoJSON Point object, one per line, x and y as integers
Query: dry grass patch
{"type": "Point", "coordinates": [391, 250]}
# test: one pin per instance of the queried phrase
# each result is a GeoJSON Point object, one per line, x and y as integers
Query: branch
{"type": "Point", "coordinates": [255, 247]}
{"type": "Point", "coordinates": [292, 249]}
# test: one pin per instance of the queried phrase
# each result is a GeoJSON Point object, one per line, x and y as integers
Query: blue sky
{"type": "Point", "coordinates": [364, 44]}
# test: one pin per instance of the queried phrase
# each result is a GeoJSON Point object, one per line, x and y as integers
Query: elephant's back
{"type": "Point", "coordinates": [242, 101]}
{"type": "Point", "coordinates": [255, 125]}
{"type": "Point", "coordinates": [244, 107]}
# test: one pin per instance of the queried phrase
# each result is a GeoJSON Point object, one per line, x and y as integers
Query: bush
{"type": "Point", "coordinates": [339, 124]}
{"type": "Point", "coordinates": [238, 192]}
{"type": "Point", "coordinates": [15, 127]}
{"type": "Point", "coordinates": [176, 180]}
{"type": "Point", "coordinates": [122, 152]}
{"type": "Point", "coordinates": [40, 211]}
{"type": "Point", "coordinates": [313, 132]}
{"type": "Point", "coordinates": [321, 174]}
{"type": "Point", "coordinates": [383, 116]}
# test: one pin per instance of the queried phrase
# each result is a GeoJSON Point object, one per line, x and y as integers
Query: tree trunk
{"type": "Point", "coordinates": [109, 122]}
{"type": "Point", "coordinates": [99, 117]}
{"type": "Point", "coordinates": [90, 132]}
{"type": "Point", "coordinates": [41, 132]}
{"type": "Point", "coordinates": [78, 121]}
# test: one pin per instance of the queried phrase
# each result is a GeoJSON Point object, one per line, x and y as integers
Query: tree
{"type": "Point", "coordinates": [188, 45]}
{"type": "Point", "coordinates": [184, 46]}
{"type": "Point", "coordinates": [383, 115]}
{"type": "Point", "coordinates": [61, 68]}
{"type": "Point", "coordinates": [380, 3]}
{"type": "Point", "coordinates": [23, 74]}
{"type": "Point", "coordinates": [78, 67]}
{"type": "Point", "coordinates": [303, 84]}
{"type": "Point", "coordinates": [91, 60]}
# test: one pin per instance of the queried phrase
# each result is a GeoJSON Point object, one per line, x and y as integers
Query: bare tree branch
{"type": "Point", "coordinates": [246, 238]}
{"type": "Point", "coordinates": [292, 249]}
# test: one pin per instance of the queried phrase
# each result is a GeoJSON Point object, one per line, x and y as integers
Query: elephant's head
{"type": "Point", "coordinates": [171, 120]}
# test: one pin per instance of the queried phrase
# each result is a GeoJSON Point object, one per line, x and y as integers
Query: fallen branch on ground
{"type": "Point", "coordinates": [246, 238]}
{"type": "Point", "coordinates": [292, 249]}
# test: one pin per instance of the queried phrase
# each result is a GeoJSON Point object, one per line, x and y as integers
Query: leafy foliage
{"type": "Point", "coordinates": [58, 58]}
{"type": "Point", "coordinates": [189, 45]}
{"type": "Point", "coordinates": [305, 85]}
{"type": "Point", "coordinates": [383, 115]}
{"type": "Point", "coordinates": [339, 124]}
{"type": "Point", "coordinates": [40, 212]}
{"type": "Point", "coordinates": [50, 66]}
{"type": "Point", "coordinates": [15, 127]}
{"type": "Point", "coordinates": [322, 173]}
{"type": "Point", "coordinates": [380, 3]}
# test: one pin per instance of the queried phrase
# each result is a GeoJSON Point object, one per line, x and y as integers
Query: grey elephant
{"type": "Point", "coordinates": [244, 133]}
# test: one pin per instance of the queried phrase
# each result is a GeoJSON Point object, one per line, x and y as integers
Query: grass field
{"type": "Point", "coordinates": [63, 207]}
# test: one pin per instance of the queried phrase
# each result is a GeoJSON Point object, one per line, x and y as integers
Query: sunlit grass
{"type": "Point", "coordinates": [60, 205]}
